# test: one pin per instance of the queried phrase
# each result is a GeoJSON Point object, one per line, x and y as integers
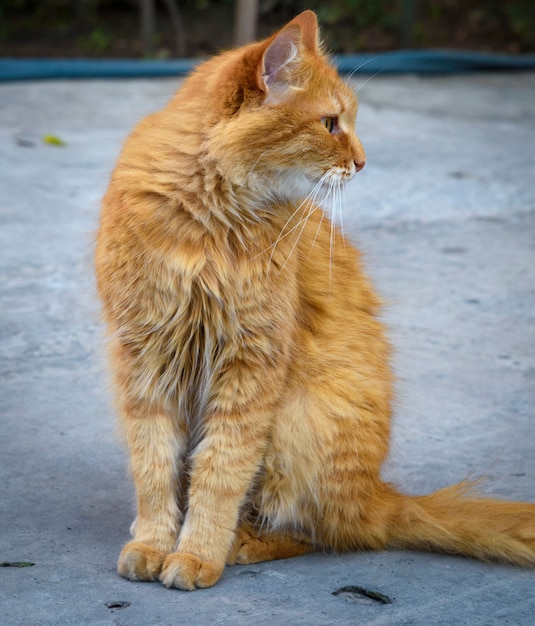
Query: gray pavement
{"type": "Point", "coordinates": [445, 211]}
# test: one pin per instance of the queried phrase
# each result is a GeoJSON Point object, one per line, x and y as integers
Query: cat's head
{"type": "Point", "coordinates": [284, 120]}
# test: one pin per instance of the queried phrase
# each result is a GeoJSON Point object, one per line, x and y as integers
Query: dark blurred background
{"type": "Point", "coordinates": [191, 28]}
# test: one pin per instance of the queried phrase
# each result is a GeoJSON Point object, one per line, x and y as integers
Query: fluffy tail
{"type": "Point", "coordinates": [453, 520]}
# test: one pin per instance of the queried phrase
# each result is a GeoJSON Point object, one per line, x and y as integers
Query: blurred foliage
{"type": "Point", "coordinates": [100, 27]}
{"type": "Point", "coordinates": [359, 12]}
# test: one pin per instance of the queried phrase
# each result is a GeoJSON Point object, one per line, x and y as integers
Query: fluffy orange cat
{"type": "Point", "coordinates": [251, 372]}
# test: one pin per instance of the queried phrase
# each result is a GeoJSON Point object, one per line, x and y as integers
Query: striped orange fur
{"type": "Point", "coordinates": [251, 370]}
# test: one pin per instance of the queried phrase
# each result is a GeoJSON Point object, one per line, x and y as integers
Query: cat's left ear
{"type": "Point", "coordinates": [281, 61]}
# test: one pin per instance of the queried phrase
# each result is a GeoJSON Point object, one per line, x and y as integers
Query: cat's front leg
{"type": "Point", "coordinates": [156, 447]}
{"type": "Point", "coordinates": [223, 468]}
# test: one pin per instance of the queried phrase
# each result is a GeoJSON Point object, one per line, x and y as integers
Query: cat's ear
{"type": "Point", "coordinates": [279, 68]}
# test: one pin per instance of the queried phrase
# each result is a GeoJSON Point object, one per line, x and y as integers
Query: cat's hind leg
{"type": "Point", "coordinates": [254, 546]}
{"type": "Point", "coordinates": [155, 444]}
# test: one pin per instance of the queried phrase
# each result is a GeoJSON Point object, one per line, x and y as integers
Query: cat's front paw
{"type": "Point", "coordinates": [138, 561]}
{"type": "Point", "coordinates": [187, 571]}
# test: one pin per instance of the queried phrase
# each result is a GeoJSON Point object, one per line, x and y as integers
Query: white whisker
{"type": "Point", "coordinates": [312, 209]}
{"type": "Point", "coordinates": [341, 209]}
{"type": "Point", "coordinates": [361, 87]}
{"type": "Point", "coordinates": [327, 189]}
{"type": "Point", "coordinates": [256, 163]}
{"type": "Point", "coordinates": [354, 71]}
{"type": "Point", "coordinates": [334, 184]}
{"type": "Point", "coordinates": [317, 230]}
{"type": "Point", "coordinates": [309, 199]}
{"type": "Point", "coordinates": [312, 204]}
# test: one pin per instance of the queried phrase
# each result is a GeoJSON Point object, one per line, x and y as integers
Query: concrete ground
{"type": "Point", "coordinates": [445, 211]}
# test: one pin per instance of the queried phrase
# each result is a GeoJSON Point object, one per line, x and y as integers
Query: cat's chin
{"type": "Point", "coordinates": [292, 188]}
{"type": "Point", "coordinates": [308, 192]}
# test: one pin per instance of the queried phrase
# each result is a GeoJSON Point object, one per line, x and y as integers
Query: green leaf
{"type": "Point", "coordinates": [53, 140]}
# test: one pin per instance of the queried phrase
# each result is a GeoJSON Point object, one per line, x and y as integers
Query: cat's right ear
{"type": "Point", "coordinates": [279, 69]}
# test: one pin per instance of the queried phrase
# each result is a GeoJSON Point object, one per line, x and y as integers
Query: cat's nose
{"type": "Point", "coordinates": [359, 164]}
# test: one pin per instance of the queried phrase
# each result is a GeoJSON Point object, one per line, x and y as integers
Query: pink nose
{"type": "Point", "coordinates": [359, 164]}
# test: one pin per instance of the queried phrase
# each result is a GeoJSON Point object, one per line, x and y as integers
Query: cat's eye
{"type": "Point", "coordinates": [329, 122]}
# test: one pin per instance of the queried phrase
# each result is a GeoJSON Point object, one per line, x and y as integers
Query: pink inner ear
{"type": "Point", "coordinates": [282, 51]}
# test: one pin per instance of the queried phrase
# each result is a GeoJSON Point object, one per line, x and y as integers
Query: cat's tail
{"type": "Point", "coordinates": [455, 520]}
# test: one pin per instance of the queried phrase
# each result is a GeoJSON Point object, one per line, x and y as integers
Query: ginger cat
{"type": "Point", "coordinates": [251, 372]}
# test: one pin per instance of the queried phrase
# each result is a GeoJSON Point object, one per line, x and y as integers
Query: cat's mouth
{"type": "Point", "coordinates": [338, 176]}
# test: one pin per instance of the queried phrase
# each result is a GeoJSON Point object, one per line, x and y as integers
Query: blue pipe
{"type": "Point", "coordinates": [404, 61]}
